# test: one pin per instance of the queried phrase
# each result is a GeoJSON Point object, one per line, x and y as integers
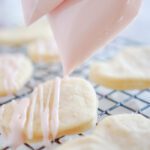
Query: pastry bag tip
{"type": "Point", "coordinates": [35, 9]}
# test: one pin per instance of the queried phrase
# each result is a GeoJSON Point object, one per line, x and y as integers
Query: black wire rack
{"type": "Point", "coordinates": [110, 101]}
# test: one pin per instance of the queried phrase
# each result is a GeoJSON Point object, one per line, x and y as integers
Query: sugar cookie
{"type": "Point", "coordinates": [130, 69]}
{"type": "Point", "coordinates": [30, 119]}
{"type": "Point", "coordinates": [15, 71]}
{"type": "Point", "coordinates": [43, 51]}
{"type": "Point", "coordinates": [119, 132]}
{"type": "Point", "coordinates": [21, 35]}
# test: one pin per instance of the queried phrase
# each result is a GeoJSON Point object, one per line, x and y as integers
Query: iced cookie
{"type": "Point", "coordinates": [22, 35]}
{"type": "Point", "coordinates": [43, 51]}
{"type": "Point", "coordinates": [130, 69]}
{"type": "Point", "coordinates": [15, 71]}
{"type": "Point", "coordinates": [50, 112]}
{"type": "Point", "coordinates": [119, 132]}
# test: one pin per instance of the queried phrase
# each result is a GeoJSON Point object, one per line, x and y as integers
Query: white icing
{"type": "Point", "coordinates": [1, 116]}
{"type": "Point", "coordinates": [49, 110]}
{"type": "Point", "coordinates": [17, 123]}
{"type": "Point", "coordinates": [55, 107]}
{"type": "Point", "coordinates": [44, 111]}
{"type": "Point", "coordinates": [31, 116]}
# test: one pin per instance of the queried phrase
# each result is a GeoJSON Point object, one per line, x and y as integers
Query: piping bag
{"type": "Point", "coordinates": [82, 26]}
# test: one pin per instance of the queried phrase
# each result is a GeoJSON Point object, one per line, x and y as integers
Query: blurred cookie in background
{"type": "Point", "coordinates": [44, 50]}
{"type": "Point", "coordinates": [130, 69]}
{"type": "Point", "coordinates": [116, 132]}
{"type": "Point", "coordinates": [15, 71]}
{"type": "Point", "coordinates": [16, 36]}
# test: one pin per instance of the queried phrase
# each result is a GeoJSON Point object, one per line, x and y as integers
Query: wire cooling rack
{"type": "Point", "coordinates": [110, 101]}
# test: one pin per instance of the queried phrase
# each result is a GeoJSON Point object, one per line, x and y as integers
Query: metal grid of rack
{"type": "Point", "coordinates": [110, 101]}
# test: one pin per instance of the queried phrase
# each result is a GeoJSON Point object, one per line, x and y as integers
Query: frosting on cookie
{"type": "Point", "coordinates": [17, 123]}
{"type": "Point", "coordinates": [54, 109]}
{"type": "Point", "coordinates": [20, 111]}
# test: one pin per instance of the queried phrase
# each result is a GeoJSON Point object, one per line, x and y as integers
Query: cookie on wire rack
{"type": "Point", "coordinates": [33, 119]}
{"type": "Point", "coordinates": [17, 36]}
{"type": "Point", "coordinates": [43, 50]}
{"type": "Point", "coordinates": [118, 132]}
{"type": "Point", "coordinates": [15, 71]}
{"type": "Point", "coordinates": [130, 69]}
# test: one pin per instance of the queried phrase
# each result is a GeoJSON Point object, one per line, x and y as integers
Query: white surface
{"type": "Point", "coordinates": [140, 28]}
{"type": "Point", "coordinates": [11, 13]}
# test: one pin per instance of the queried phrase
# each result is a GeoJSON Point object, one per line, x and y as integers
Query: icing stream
{"type": "Point", "coordinates": [31, 116]}
{"type": "Point", "coordinates": [17, 123]}
{"type": "Point", "coordinates": [1, 116]}
{"type": "Point", "coordinates": [44, 115]}
{"type": "Point", "coordinates": [55, 109]}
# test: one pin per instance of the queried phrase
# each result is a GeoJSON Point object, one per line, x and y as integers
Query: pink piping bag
{"type": "Point", "coordinates": [82, 26]}
{"type": "Point", "coordinates": [35, 9]}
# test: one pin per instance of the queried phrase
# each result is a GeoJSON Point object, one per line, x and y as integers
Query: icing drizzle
{"type": "Point", "coordinates": [1, 116]}
{"type": "Point", "coordinates": [54, 109]}
{"type": "Point", "coordinates": [31, 116]}
{"type": "Point", "coordinates": [44, 115]}
{"type": "Point", "coordinates": [17, 123]}
{"type": "Point", "coordinates": [49, 110]}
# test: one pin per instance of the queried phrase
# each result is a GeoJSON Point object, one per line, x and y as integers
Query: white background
{"type": "Point", "coordinates": [140, 28]}
{"type": "Point", "coordinates": [11, 14]}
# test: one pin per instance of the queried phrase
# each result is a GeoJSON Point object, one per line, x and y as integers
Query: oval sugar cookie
{"type": "Point", "coordinates": [43, 51]}
{"type": "Point", "coordinates": [77, 112]}
{"type": "Point", "coordinates": [118, 132]}
{"type": "Point", "coordinates": [130, 69]}
{"type": "Point", "coordinates": [15, 71]}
